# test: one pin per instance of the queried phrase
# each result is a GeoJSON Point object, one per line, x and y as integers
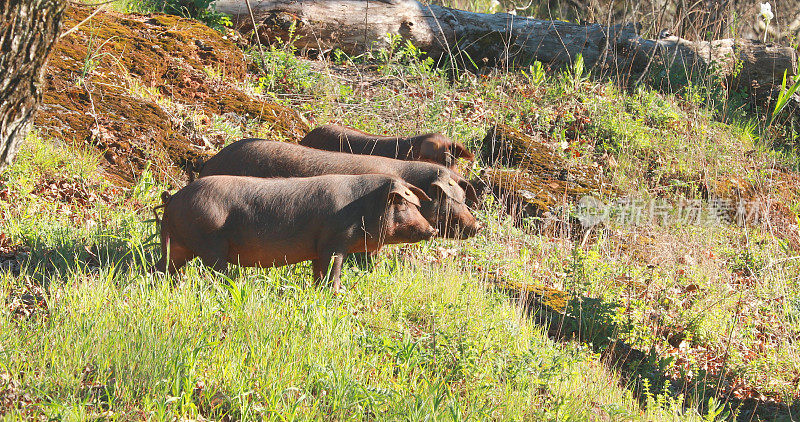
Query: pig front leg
{"type": "Point", "coordinates": [321, 268]}
{"type": "Point", "coordinates": [214, 254]}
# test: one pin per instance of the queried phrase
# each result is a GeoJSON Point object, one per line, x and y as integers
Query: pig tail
{"type": "Point", "coordinates": [165, 197]}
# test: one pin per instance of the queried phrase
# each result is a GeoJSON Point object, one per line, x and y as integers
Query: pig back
{"type": "Point", "coordinates": [264, 158]}
{"type": "Point", "coordinates": [350, 140]}
{"type": "Point", "coordinates": [273, 159]}
{"type": "Point", "coordinates": [254, 200]}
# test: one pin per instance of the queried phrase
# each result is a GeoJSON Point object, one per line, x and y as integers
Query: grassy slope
{"type": "Point", "coordinates": [422, 333]}
{"type": "Point", "coordinates": [410, 339]}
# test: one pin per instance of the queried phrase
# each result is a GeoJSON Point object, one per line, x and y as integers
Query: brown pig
{"type": "Point", "coordinates": [252, 221]}
{"type": "Point", "coordinates": [446, 210]}
{"type": "Point", "coordinates": [431, 147]}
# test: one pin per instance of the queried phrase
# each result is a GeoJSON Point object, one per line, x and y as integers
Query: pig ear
{"type": "Point", "coordinates": [418, 192]}
{"type": "Point", "coordinates": [460, 151]}
{"type": "Point", "coordinates": [428, 148]}
{"type": "Point", "coordinates": [472, 194]}
{"type": "Point", "coordinates": [400, 191]}
{"type": "Point", "coordinates": [443, 183]}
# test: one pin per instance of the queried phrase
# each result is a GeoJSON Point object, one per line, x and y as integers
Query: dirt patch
{"type": "Point", "coordinates": [14, 397]}
{"type": "Point", "coordinates": [27, 301]}
{"type": "Point", "coordinates": [72, 192]}
{"type": "Point", "coordinates": [107, 84]}
{"type": "Point", "coordinates": [11, 255]}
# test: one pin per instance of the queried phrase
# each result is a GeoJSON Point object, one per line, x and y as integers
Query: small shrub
{"type": "Point", "coordinates": [535, 74]}
{"type": "Point", "coordinates": [404, 57]}
{"type": "Point", "coordinates": [283, 72]}
{"type": "Point", "coordinates": [195, 9]}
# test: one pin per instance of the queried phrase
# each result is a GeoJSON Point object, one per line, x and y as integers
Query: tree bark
{"type": "Point", "coordinates": [28, 30]}
{"type": "Point", "coordinates": [500, 40]}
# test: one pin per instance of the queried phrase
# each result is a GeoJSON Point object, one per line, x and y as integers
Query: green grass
{"type": "Point", "coordinates": [280, 349]}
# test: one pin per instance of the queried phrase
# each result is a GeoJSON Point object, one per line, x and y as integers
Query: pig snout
{"type": "Point", "coordinates": [430, 232]}
{"type": "Point", "coordinates": [471, 230]}
{"type": "Point", "coordinates": [421, 230]}
{"type": "Point", "coordinates": [408, 225]}
{"type": "Point", "coordinates": [464, 229]}
{"type": "Point", "coordinates": [461, 224]}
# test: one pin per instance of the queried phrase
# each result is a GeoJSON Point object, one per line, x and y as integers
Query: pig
{"type": "Point", "coordinates": [446, 210]}
{"type": "Point", "coordinates": [253, 221]}
{"type": "Point", "coordinates": [431, 147]}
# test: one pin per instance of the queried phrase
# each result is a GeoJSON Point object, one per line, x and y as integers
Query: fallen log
{"type": "Point", "coordinates": [498, 40]}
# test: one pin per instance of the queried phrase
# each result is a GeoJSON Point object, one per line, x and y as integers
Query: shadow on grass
{"type": "Point", "coordinates": [54, 257]}
{"type": "Point", "coordinates": [48, 257]}
{"type": "Point", "coordinates": [593, 322]}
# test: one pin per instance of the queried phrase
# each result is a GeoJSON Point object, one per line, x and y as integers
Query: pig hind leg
{"type": "Point", "coordinates": [178, 257]}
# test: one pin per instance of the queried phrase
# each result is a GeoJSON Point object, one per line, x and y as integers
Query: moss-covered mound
{"type": "Point", "coordinates": [532, 178]}
{"type": "Point", "coordinates": [542, 179]}
{"type": "Point", "coordinates": [116, 82]}
{"type": "Point", "coordinates": [552, 300]}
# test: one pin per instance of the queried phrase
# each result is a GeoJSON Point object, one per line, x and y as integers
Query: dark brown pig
{"type": "Point", "coordinates": [431, 147]}
{"type": "Point", "coordinates": [446, 210]}
{"type": "Point", "coordinates": [252, 221]}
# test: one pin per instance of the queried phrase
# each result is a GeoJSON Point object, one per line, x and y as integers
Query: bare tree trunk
{"type": "Point", "coordinates": [716, 19]}
{"type": "Point", "coordinates": [478, 39]}
{"type": "Point", "coordinates": [28, 30]}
